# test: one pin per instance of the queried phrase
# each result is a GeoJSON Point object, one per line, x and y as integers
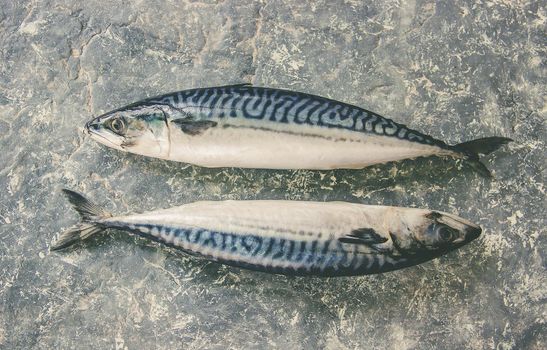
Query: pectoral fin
{"type": "Point", "coordinates": [193, 127]}
{"type": "Point", "coordinates": [366, 236]}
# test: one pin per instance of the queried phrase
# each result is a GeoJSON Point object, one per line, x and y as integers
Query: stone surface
{"type": "Point", "coordinates": [455, 69]}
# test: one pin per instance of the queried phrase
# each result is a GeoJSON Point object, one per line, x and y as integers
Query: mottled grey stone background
{"type": "Point", "coordinates": [455, 69]}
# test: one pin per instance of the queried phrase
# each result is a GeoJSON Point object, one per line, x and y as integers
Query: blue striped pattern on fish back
{"type": "Point", "coordinates": [286, 107]}
{"type": "Point", "coordinates": [269, 254]}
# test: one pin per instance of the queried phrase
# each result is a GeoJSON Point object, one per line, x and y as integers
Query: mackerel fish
{"type": "Point", "coordinates": [288, 237]}
{"type": "Point", "coordinates": [257, 127]}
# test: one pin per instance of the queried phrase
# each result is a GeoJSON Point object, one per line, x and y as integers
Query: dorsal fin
{"type": "Point", "coordinates": [365, 235]}
{"type": "Point", "coordinates": [240, 85]}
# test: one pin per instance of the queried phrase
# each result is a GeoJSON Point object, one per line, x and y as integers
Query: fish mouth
{"type": "Point", "coordinates": [92, 125]}
{"type": "Point", "coordinates": [472, 233]}
{"type": "Point", "coordinates": [93, 129]}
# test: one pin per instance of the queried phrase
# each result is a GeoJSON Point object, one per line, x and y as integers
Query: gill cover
{"type": "Point", "coordinates": [420, 232]}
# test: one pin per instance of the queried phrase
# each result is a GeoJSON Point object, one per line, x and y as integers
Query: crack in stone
{"type": "Point", "coordinates": [9, 167]}
{"type": "Point", "coordinates": [198, 57]}
{"type": "Point", "coordinates": [81, 71]}
{"type": "Point", "coordinates": [79, 142]}
{"type": "Point", "coordinates": [81, 51]}
{"type": "Point", "coordinates": [253, 40]}
{"type": "Point", "coordinates": [32, 7]}
{"type": "Point", "coordinates": [89, 96]}
{"type": "Point", "coordinates": [211, 41]}
{"type": "Point", "coordinates": [93, 36]}
{"type": "Point", "coordinates": [130, 22]}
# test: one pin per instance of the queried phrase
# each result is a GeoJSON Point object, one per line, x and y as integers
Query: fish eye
{"type": "Point", "coordinates": [446, 234]}
{"type": "Point", "coordinates": [117, 125]}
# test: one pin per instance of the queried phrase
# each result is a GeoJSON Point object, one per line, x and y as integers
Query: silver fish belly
{"type": "Point", "coordinates": [257, 127]}
{"type": "Point", "coordinates": [289, 237]}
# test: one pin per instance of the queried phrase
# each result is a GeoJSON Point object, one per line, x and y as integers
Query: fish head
{"type": "Point", "coordinates": [426, 234]}
{"type": "Point", "coordinates": [140, 129]}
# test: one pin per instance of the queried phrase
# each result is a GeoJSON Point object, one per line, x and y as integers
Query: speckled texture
{"type": "Point", "coordinates": [455, 69]}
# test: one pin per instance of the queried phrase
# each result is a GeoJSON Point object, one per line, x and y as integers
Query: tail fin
{"type": "Point", "coordinates": [484, 146]}
{"type": "Point", "coordinates": [90, 213]}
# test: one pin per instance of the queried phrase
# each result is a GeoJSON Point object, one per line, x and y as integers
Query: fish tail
{"type": "Point", "coordinates": [92, 216]}
{"type": "Point", "coordinates": [472, 150]}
